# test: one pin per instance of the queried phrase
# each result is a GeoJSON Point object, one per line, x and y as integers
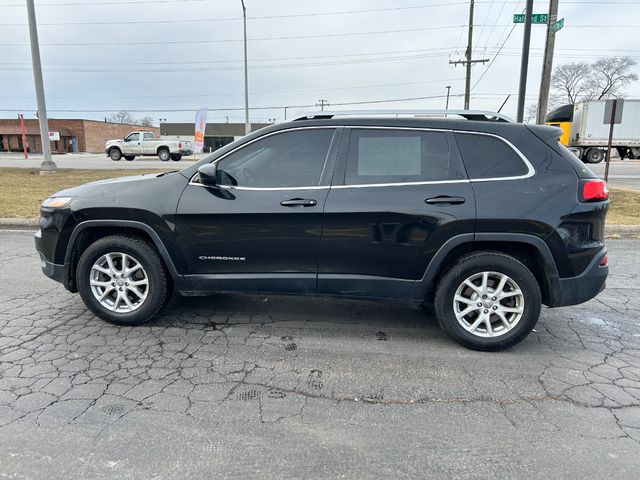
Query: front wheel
{"type": "Point", "coordinates": [122, 280]}
{"type": "Point", "coordinates": [164, 155]}
{"type": "Point", "coordinates": [488, 301]}
{"type": "Point", "coordinates": [115, 154]}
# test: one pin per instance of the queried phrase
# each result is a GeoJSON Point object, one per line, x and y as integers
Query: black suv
{"type": "Point", "coordinates": [481, 218]}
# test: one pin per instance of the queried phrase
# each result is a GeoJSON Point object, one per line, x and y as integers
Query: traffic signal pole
{"type": "Point", "coordinates": [47, 166]}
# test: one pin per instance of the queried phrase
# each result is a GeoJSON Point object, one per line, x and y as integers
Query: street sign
{"type": "Point", "coordinates": [557, 25]}
{"type": "Point", "coordinates": [538, 18]}
{"type": "Point", "coordinates": [609, 118]}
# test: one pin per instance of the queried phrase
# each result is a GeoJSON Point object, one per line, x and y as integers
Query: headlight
{"type": "Point", "coordinates": [57, 202]}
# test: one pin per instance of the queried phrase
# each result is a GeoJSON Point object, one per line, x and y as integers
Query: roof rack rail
{"type": "Point", "coordinates": [482, 115]}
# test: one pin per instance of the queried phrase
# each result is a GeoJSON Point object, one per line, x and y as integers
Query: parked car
{"type": "Point", "coordinates": [480, 217]}
{"type": "Point", "coordinates": [146, 144]}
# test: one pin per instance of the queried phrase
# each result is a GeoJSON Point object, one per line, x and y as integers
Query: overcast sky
{"type": "Point", "coordinates": [167, 58]}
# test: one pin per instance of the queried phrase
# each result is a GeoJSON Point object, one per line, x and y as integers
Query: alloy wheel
{"type": "Point", "coordinates": [488, 304]}
{"type": "Point", "coordinates": [119, 282]}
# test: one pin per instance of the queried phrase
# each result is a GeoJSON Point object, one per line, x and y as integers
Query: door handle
{"type": "Point", "coordinates": [445, 200]}
{"type": "Point", "coordinates": [299, 202]}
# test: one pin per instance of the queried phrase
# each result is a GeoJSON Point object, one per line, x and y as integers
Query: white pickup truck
{"type": "Point", "coordinates": [147, 144]}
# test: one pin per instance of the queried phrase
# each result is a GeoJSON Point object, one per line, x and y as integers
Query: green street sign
{"type": "Point", "coordinates": [558, 25]}
{"type": "Point", "coordinates": [538, 18]}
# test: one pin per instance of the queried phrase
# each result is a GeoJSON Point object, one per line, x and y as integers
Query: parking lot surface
{"type": "Point", "coordinates": [233, 386]}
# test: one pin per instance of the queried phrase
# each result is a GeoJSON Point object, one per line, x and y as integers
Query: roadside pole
{"type": "Point", "coordinates": [47, 166]}
{"type": "Point", "coordinates": [612, 115]}
{"type": "Point", "coordinates": [24, 137]}
{"type": "Point", "coordinates": [524, 63]}
{"type": "Point", "coordinates": [247, 125]}
{"type": "Point", "coordinates": [547, 65]}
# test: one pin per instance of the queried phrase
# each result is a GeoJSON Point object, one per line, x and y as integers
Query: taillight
{"type": "Point", "coordinates": [604, 261]}
{"type": "Point", "coordinates": [595, 190]}
{"type": "Point", "coordinates": [179, 145]}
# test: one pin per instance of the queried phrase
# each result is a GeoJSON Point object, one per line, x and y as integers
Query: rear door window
{"type": "Point", "coordinates": [378, 156]}
{"type": "Point", "coordinates": [487, 156]}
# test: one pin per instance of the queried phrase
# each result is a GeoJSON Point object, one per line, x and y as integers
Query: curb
{"type": "Point", "coordinates": [611, 232]}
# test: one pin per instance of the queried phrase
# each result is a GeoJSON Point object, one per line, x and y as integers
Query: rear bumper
{"type": "Point", "coordinates": [581, 288]}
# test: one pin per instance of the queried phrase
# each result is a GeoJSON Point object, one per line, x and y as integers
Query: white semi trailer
{"type": "Point", "coordinates": [588, 135]}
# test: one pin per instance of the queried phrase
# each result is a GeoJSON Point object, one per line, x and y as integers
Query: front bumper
{"type": "Point", "coordinates": [59, 273]}
{"type": "Point", "coordinates": [581, 288]}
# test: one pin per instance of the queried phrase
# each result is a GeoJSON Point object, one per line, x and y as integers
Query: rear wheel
{"type": "Point", "coordinates": [129, 157]}
{"type": "Point", "coordinates": [122, 280]}
{"type": "Point", "coordinates": [115, 154]}
{"type": "Point", "coordinates": [164, 155]}
{"type": "Point", "coordinates": [594, 155]}
{"type": "Point", "coordinates": [488, 301]}
{"type": "Point", "coordinates": [176, 158]}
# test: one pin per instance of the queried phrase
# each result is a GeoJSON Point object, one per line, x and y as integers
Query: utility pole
{"type": "Point", "coordinates": [524, 64]}
{"type": "Point", "coordinates": [247, 125]}
{"type": "Point", "coordinates": [321, 103]}
{"type": "Point", "coordinates": [547, 65]}
{"type": "Point", "coordinates": [468, 62]}
{"type": "Point", "coordinates": [47, 166]}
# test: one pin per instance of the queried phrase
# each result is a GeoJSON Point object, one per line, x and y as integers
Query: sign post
{"type": "Point", "coordinates": [24, 137]}
{"type": "Point", "coordinates": [612, 116]}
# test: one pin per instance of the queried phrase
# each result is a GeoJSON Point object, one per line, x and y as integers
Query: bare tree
{"type": "Point", "coordinates": [146, 121]}
{"type": "Point", "coordinates": [572, 81]}
{"type": "Point", "coordinates": [120, 117]}
{"type": "Point", "coordinates": [610, 75]}
{"type": "Point", "coordinates": [530, 113]}
{"type": "Point", "coordinates": [604, 78]}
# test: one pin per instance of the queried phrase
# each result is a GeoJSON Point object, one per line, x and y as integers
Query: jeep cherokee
{"type": "Point", "coordinates": [481, 218]}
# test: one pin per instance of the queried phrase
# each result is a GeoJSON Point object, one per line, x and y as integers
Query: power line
{"type": "Point", "coordinates": [128, 2]}
{"type": "Point", "coordinates": [289, 91]}
{"type": "Point", "coordinates": [265, 17]}
{"type": "Point", "coordinates": [227, 40]}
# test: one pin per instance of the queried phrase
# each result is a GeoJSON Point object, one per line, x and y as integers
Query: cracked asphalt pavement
{"type": "Point", "coordinates": [234, 386]}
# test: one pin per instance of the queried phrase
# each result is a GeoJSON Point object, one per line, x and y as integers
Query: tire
{"type": "Point", "coordinates": [176, 158]}
{"type": "Point", "coordinates": [152, 296]}
{"type": "Point", "coordinates": [594, 155]}
{"type": "Point", "coordinates": [164, 155]}
{"type": "Point", "coordinates": [525, 305]}
{"type": "Point", "coordinates": [129, 157]}
{"type": "Point", "coordinates": [115, 154]}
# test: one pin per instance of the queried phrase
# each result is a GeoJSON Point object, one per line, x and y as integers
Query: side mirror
{"type": "Point", "coordinates": [208, 174]}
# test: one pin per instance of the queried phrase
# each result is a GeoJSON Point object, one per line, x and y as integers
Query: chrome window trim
{"type": "Point", "coordinates": [530, 170]}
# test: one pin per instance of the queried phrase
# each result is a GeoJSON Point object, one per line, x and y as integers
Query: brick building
{"type": "Point", "coordinates": [216, 135]}
{"type": "Point", "coordinates": [76, 135]}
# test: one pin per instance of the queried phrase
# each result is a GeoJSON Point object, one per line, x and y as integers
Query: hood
{"type": "Point", "coordinates": [108, 186]}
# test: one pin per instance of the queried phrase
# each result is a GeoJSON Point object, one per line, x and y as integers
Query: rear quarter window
{"type": "Point", "coordinates": [486, 156]}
